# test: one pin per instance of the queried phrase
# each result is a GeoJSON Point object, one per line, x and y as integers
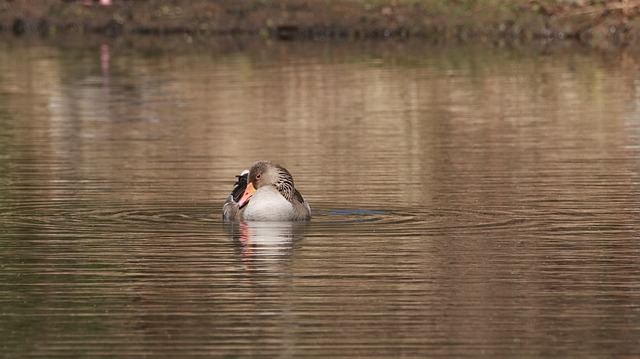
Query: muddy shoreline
{"type": "Point", "coordinates": [590, 23]}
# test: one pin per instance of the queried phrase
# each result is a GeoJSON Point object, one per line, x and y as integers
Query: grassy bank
{"type": "Point", "coordinates": [593, 22]}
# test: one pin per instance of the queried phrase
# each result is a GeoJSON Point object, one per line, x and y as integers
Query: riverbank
{"type": "Point", "coordinates": [593, 23]}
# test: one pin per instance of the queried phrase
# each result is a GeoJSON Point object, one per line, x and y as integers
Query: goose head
{"type": "Point", "coordinates": [266, 173]}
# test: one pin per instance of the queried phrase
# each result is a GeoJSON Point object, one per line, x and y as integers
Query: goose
{"type": "Point", "coordinates": [265, 193]}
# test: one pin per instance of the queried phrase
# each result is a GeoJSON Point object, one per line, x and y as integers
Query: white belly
{"type": "Point", "coordinates": [267, 204]}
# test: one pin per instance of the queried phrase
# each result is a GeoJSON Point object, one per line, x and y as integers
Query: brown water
{"type": "Point", "coordinates": [467, 201]}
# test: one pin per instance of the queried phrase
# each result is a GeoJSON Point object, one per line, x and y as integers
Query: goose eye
{"type": "Point", "coordinates": [258, 176]}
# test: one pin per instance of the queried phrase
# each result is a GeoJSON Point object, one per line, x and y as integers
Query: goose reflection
{"type": "Point", "coordinates": [266, 246]}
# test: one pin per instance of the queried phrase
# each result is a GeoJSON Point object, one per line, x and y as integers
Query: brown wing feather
{"type": "Point", "coordinates": [297, 196]}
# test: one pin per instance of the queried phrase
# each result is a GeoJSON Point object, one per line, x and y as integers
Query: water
{"type": "Point", "coordinates": [468, 201]}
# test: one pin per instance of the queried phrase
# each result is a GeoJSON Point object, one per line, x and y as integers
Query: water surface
{"type": "Point", "coordinates": [468, 201]}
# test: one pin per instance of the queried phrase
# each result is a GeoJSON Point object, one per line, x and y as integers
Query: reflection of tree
{"type": "Point", "coordinates": [395, 114]}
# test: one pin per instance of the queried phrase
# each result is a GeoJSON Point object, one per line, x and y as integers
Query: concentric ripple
{"type": "Point", "coordinates": [150, 218]}
{"type": "Point", "coordinates": [425, 219]}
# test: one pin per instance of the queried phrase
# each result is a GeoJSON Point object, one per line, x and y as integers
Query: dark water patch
{"type": "Point", "coordinates": [344, 216]}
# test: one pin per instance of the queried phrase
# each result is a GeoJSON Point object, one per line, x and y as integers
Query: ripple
{"type": "Point", "coordinates": [162, 217]}
{"type": "Point", "coordinates": [341, 216]}
{"type": "Point", "coordinates": [425, 219]}
{"type": "Point", "coordinates": [64, 218]}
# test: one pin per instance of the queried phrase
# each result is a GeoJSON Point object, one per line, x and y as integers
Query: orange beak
{"type": "Point", "coordinates": [247, 195]}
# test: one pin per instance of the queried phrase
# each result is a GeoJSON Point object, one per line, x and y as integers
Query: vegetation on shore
{"type": "Point", "coordinates": [591, 22]}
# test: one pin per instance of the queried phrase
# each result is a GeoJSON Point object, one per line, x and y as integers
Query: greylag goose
{"type": "Point", "coordinates": [265, 193]}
